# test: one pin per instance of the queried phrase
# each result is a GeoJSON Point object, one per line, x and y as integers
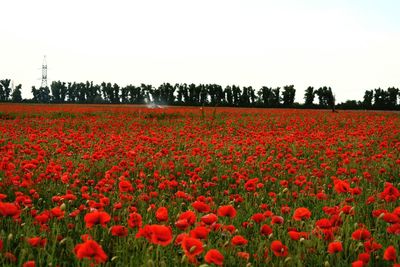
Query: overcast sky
{"type": "Point", "coordinates": [350, 45]}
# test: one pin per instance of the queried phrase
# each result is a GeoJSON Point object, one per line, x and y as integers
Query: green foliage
{"type": "Point", "coordinates": [196, 95]}
{"type": "Point", "coordinates": [7, 116]}
{"type": "Point", "coordinates": [5, 90]}
{"type": "Point", "coordinates": [288, 95]}
{"type": "Point", "coordinates": [16, 96]}
{"type": "Point", "coordinates": [309, 96]}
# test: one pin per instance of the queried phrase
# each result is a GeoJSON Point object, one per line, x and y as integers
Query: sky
{"type": "Point", "coordinates": [349, 45]}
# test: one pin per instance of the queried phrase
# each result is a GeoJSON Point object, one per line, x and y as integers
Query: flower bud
{"type": "Point", "coordinates": [150, 263]}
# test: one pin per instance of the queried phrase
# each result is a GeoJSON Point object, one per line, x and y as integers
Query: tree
{"type": "Point", "coordinates": [331, 99]}
{"type": "Point", "coordinates": [381, 99]}
{"type": "Point", "coordinates": [145, 91]}
{"type": "Point", "coordinates": [56, 88]}
{"type": "Point", "coordinates": [351, 104]}
{"type": "Point", "coordinates": [135, 95]}
{"type": "Point", "coordinates": [217, 95]}
{"type": "Point", "coordinates": [35, 93]}
{"type": "Point", "coordinates": [41, 95]}
{"type": "Point", "coordinates": [93, 93]}
{"type": "Point", "coordinates": [182, 93]}
{"type": "Point", "coordinates": [63, 91]}
{"type": "Point", "coordinates": [81, 91]}
{"type": "Point", "coordinates": [191, 95]}
{"type": "Point", "coordinates": [309, 96]}
{"type": "Point", "coordinates": [72, 92]}
{"type": "Point", "coordinates": [124, 95]}
{"type": "Point", "coordinates": [166, 91]}
{"type": "Point", "coordinates": [368, 96]}
{"type": "Point", "coordinates": [326, 97]}
{"type": "Point", "coordinates": [5, 89]}
{"type": "Point", "coordinates": [392, 97]}
{"type": "Point", "coordinates": [201, 94]}
{"type": "Point", "coordinates": [16, 96]}
{"type": "Point", "coordinates": [275, 97]}
{"type": "Point", "coordinates": [115, 94]}
{"type": "Point", "coordinates": [252, 95]}
{"type": "Point", "coordinates": [245, 98]}
{"type": "Point", "coordinates": [288, 95]}
{"type": "Point", "coordinates": [321, 93]}
{"type": "Point", "coordinates": [265, 96]}
{"type": "Point", "coordinates": [107, 91]}
{"type": "Point", "coordinates": [229, 95]}
{"type": "Point", "coordinates": [236, 95]}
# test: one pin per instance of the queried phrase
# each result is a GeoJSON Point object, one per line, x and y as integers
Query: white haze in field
{"type": "Point", "coordinates": [350, 45]}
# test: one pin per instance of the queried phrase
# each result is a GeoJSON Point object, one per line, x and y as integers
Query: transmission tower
{"type": "Point", "coordinates": [44, 73]}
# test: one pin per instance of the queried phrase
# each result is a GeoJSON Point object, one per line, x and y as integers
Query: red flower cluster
{"type": "Point", "coordinates": [225, 186]}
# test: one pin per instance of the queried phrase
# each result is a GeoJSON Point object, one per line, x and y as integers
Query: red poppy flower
{"type": "Point", "coordinates": [285, 209]}
{"type": "Point", "coordinates": [335, 247]}
{"type": "Point", "coordinates": [161, 235]}
{"type": "Point", "coordinates": [227, 211]}
{"type": "Point", "coordinates": [364, 257]}
{"type": "Point", "coordinates": [258, 217]}
{"type": "Point", "coordinates": [125, 186]}
{"type": "Point", "coordinates": [379, 212]}
{"type": "Point", "coordinates": [57, 212]}
{"type": "Point", "coordinates": [361, 234]}
{"type": "Point", "coordinates": [230, 228]}
{"type": "Point", "coordinates": [201, 207]}
{"type": "Point", "coordinates": [277, 220]}
{"type": "Point", "coordinates": [390, 254]}
{"type": "Point", "coordinates": [371, 246]}
{"type": "Point", "coordinates": [119, 230]}
{"type": "Point", "coordinates": [214, 256]}
{"type": "Point", "coordinates": [341, 186]}
{"type": "Point", "coordinates": [209, 218]}
{"type": "Point", "coordinates": [397, 211]}
{"type": "Point", "coordinates": [179, 238]}
{"type": "Point", "coordinates": [189, 216]}
{"type": "Point", "coordinates": [357, 263]}
{"type": "Point", "coordinates": [391, 218]}
{"type": "Point", "coordinates": [9, 209]}
{"type": "Point", "coordinates": [97, 217]}
{"type": "Point", "coordinates": [323, 223]}
{"type": "Point", "coordinates": [294, 235]}
{"type": "Point", "coordinates": [135, 220]}
{"type": "Point", "coordinates": [200, 232]}
{"type": "Point", "coordinates": [37, 241]}
{"type": "Point", "coordinates": [29, 264]}
{"type": "Point", "coordinates": [250, 185]}
{"type": "Point", "coordinates": [301, 214]}
{"type": "Point", "coordinates": [266, 230]}
{"type": "Point", "coordinates": [182, 224]}
{"type": "Point", "coordinates": [279, 249]}
{"type": "Point", "coordinates": [10, 257]}
{"type": "Point", "coordinates": [390, 193]}
{"type": "Point", "coordinates": [90, 250]}
{"type": "Point", "coordinates": [243, 255]}
{"type": "Point", "coordinates": [145, 232]}
{"type": "Point", "coordinates": [162, 214]}
{"type": "Point", "coordinates": [192, 246]}
{"type": "Point", "coordinates": [393, 229]}
{"type": "Point", "coordinates": [239, 240]}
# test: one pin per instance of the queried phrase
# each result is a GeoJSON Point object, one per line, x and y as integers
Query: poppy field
{"type": "Point", "coordinates": [120, 185]}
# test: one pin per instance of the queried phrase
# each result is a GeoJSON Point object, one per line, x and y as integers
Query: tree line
{"type": "Point", "coordinates": [195, 95]}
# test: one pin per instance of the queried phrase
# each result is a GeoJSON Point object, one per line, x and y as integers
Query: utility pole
{"type": "Point", "coordinates": [44, 73]}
